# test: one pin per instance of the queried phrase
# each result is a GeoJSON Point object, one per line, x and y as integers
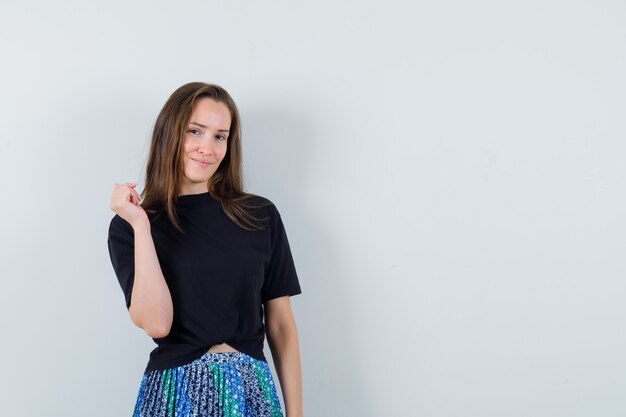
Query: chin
{"type": "Point", "coordinates": [197, 179]}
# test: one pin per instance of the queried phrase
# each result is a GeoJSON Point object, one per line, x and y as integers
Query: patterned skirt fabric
{"type": "Point", "coordinates": [224, 384]}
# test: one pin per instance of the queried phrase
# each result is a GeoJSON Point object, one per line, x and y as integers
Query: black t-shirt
{"type": "Point", "coordinates": [218, 274]}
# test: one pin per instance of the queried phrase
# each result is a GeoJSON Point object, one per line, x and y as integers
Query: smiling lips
{"type": "Point", "coordinates": [203, 164]}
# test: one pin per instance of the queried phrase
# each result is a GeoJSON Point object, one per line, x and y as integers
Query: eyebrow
{"type": "Point", "coordinates": [198, 124]}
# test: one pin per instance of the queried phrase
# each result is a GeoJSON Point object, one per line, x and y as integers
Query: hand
{"type": "Point", "coordinates": [125, 202]}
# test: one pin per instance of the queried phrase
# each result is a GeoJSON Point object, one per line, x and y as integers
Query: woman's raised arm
{"type": "Point", "coordinates": [150, 301]}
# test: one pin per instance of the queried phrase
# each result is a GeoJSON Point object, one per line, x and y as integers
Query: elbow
{"type": "Point", "coordinates": [156, 329]}
{"type": "Point", "coordinates": [284, 331]}
{"type": "Point", "coordinates": [157, 332]}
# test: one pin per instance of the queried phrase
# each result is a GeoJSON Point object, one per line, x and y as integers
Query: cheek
{"type": "Point", "coordinates": [222, 151]}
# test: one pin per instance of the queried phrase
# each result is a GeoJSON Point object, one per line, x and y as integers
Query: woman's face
{"type": "Point", "coordinates": [204, 144]}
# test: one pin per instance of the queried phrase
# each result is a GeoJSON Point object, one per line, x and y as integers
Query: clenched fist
{"type": "Point", "coordinates": [125, 202]}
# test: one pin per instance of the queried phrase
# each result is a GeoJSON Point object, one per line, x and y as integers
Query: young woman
{"type": "Point", "coordinates": [206, 270]}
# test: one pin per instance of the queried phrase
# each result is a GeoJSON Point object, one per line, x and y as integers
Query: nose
{"type": "Point", "coordinates": [206, 146]}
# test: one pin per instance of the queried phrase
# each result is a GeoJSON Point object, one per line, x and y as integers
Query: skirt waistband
{"type": "Point", "coordinates": [225, 357]}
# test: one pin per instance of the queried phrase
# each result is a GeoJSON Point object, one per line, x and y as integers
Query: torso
{"type": "Point", "coordinates": [222, 348]}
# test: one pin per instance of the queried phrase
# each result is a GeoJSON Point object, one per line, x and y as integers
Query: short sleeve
{"type": "Point", "coordinates": [121, 243]}
{"type": "Point", "coordinates": [280, 273]}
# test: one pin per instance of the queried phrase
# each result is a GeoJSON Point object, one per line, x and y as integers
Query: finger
{"type": "Point", "coordinates": [122, 186]}
{"type": "Point", "coordinates": [129, 188]}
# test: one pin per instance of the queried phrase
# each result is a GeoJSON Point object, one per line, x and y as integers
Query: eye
{"type": "Point", "coordinates": [220, 136]}
{"type": "Point", "coordinates": [194, 130]}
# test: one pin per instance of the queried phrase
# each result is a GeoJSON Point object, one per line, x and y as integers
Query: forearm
{"type": "Point", "coordinates": [285, 350]}
{"type": "Point", "coordinates": [151, 302]}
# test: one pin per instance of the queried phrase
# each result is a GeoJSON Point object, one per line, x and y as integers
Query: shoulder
{"type": "Point", "coordinates": [261, 202]}
{"type": "Point", "coordinates": [118, 225]}
{"type": "Point", "coordinates": [257, 198]}
{"type": "Point", "coordinates": [265, 209]}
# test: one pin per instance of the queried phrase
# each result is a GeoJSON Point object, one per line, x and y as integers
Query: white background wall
{"type": "Point", "coordinates": [451, 176]}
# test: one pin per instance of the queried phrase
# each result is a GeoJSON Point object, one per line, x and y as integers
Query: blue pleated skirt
{"type": "Point", "coordinates": [217, 384]}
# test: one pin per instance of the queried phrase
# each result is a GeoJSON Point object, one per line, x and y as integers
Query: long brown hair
{"type": "Point", "coordinates": [165, 160]}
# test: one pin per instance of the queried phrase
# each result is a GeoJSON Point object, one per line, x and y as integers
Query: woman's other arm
{"type": "Point", "coordinates": [282, 339]}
